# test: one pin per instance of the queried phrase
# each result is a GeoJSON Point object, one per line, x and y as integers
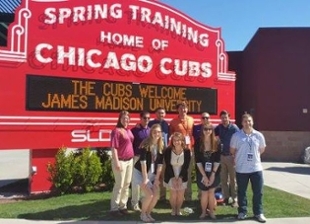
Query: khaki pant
{"type": "Point", "coordinates": [188, 190]}
{"type": "Point", "coordinates": [228, 177]}
{"type": "Point", "coordinates": [121, 187]}
{"type": "Point", "coordinates": [135, 190]}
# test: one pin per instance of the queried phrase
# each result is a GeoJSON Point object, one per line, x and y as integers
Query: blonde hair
{"type": "Point", "coordinates": [214, 141]}
{"type": "Point", "coordinates": [147, 142]}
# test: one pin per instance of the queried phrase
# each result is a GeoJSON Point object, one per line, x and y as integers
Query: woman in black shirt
{"type": "Point", "coordinates": [207, 155]}
{"type": "Point", "coordinates": [177, 159]}
{"type": "Point", "coordinates": [147, 171]}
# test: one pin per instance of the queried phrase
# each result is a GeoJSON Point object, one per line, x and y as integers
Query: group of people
{"type": "Point", "coordinates": [156, 155]}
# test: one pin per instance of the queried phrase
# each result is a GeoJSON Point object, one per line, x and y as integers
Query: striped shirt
{"type": "Point", "coordinates": [247, 156]}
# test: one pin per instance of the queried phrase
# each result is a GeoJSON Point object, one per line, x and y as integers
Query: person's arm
{"type": "Point", "coordinates": [262, 144]}
{"type": "Point", "coordinates": [145, 179]}
{"type": "Point", "coordinates": [233, 145]}
{"type": "Point", "coordinates": [159, 162]}
{"type": "Point", "coordinates": [114, 145]}
{"type": "Point", "coordinates": [185, 166]}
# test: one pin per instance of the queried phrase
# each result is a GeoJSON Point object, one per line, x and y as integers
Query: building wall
{"type": "Point", "coordinates": [273, 81]}
{"type": "Point", "coordinates": [285, 146]}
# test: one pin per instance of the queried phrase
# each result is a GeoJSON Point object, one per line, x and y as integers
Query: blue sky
{"type": "Point", "coordinates": [240, 19]}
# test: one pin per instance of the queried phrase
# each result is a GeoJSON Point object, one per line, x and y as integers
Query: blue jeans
{"type": "Point", "coordinates": [257, 183]}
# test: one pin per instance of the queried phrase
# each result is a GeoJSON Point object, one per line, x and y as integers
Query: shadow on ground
{"type": "Point", "coordinates": [99, 211]}
{"type": "Point", "coordinates": [295, 170]}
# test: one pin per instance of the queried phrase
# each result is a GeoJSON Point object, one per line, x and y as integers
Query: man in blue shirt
{"type": "Point", "coordinates": [224, 131]}
{"type": "Point", "coordinates": [160, 119]}
{"type": "Point", "coordinates": [140, 132]}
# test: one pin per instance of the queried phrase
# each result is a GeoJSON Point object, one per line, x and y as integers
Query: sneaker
{"type": "Point", "coordinates": [116, 213]}
{"type": "Point", "coordinates": [136, 208]}
{"type": "Point", "coordinates": [241, 216]}
{"type": "Point", "coordinates": [234, 204]}
{"type": "Point", "coordinates": [261, 218]}
{"type": "Point", "coordinates": [124, 211]}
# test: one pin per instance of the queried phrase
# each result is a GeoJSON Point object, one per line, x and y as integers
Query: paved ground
{"type": "Point", "coordinates": [290, 177]}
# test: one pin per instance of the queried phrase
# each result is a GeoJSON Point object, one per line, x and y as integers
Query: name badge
{"type": "Point", "coordinates": [152, 167]}
{"type": "Point", "coordinates": [187, 140]}
{"type": "Point", "coordinates": [250, 156]}
{"type": "Point", "coordinates": [208, 167]}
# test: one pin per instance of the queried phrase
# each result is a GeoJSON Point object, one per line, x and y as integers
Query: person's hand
{"type": "Point", "coordinates": [144, 183]}
{"type": "Point", "coordinates": [156, 182]}
{"type": "Point", "coordinates": [174, 183]}
{"type": "Point", "coordinates": [205, 180]}
{"type": "Point", "coordinates": [179, 183]}
{"type": "Point", "coordinates": [118, 166]}
{"type": "Point", "coordinates": [211, 179]}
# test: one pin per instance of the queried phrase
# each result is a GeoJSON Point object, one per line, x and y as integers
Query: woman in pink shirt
{"type": "Point", "coordinates": [122, 164]}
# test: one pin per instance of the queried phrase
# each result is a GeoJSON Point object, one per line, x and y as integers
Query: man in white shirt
{"type": "Point", "coordinates": [246, 146]}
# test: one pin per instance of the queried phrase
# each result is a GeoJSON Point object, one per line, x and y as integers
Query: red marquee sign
{"type": "Point", "coordinates": [71, 65]}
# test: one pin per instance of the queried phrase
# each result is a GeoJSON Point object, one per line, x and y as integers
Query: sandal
{"type": "Point", "coordinates": [202, 216]}
{"type": "Point", "coordinates": [173, 213]}
{"type": "Point", "coordinates": [151, 218]}
{"type": "Point", "coordinates": [212, 216]}
{"type": "Point", "coordinates": [145, 218]}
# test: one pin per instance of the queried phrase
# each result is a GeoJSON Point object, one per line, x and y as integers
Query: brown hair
{"type": "Point", "coordinates": [214, 141]}
{"type": "Point", "coordinates": [147, 142]}
{"type": "Point", "coordinates": [121, 114]}
{"type": "Point", "coordinates": [246, 115]}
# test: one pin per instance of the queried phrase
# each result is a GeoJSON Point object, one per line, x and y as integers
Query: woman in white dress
{"type": "Point", "coordinates": [177, 159]}
{"type": "Point", "coordinates": [147, 171]}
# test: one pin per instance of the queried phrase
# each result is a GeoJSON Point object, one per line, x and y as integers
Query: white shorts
{"type": "Point", "coordinates": [169, 185]}
{"type": "Point", "coordinates": [137, 178]}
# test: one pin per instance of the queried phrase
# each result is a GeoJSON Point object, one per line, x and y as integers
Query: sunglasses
{"type": "Point", "coordinates": [146, 118]}
{"type": "Point", "coordinates": [205, 117]}
{"type": "Point", "coordinates": [207, 129]}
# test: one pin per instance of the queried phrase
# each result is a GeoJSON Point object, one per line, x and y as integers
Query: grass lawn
{"type": "Point", "coordinates": [95, 206]}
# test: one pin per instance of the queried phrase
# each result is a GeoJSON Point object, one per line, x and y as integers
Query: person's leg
{"type": "Point", "coordinates": [211, 205]}
{"type": "Point", "coordinates": [180, 200]}
{"type": "Point", "coordinates": [155, 197]}
{"type": "Point", "coordinates": [148, 195]}
{"type": "Point", "coordinates": [204, 203]}
{"type": "Point", "coordinates": [232, 178]}
{"type": "Point", "coordinates": [135, 190]}
{"type": "Point", "coordinates": [119, 177]}
{"type": "Point", "coordinates": [257, 184]}
{"type": "Point", "coordinates": [173, 201]}
{"type": "Point", "coordinates": [127, 168]}
{"type": "Point", "coordinates": [242, 182]}
{"type": "Point", "coordinates": [188, 191]}
{"type": "Point", "coordinates": [224, 179]}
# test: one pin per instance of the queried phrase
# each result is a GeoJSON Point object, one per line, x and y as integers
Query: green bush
{"type": "Point", "coordinates": [80, 171]}
{"type": "Point", "coordinates": [86, 170]}
{"type": "Point", "coordinates": [61, 171]}
{"type": "Point", "coordinates": [107, 174]}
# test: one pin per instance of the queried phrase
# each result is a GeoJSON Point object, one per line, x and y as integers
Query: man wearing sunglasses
{"type": "Point", "coordinates": [224, 131]}
{"type": "Point", "coordinates": [205, 119]}
{"type": "Point", "coordinates": [140, 132]}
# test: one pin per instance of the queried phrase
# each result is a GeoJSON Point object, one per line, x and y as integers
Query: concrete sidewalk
{"type": "Point", "coordinates": [290, 177]}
